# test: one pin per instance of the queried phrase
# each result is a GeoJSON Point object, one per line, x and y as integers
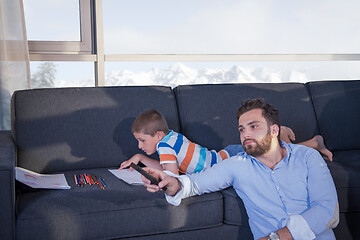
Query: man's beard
{"type": "Point", "coordinates": [261, 147]}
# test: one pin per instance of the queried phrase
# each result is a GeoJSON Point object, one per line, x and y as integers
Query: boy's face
{"type": "Point", "coordinates": [148, 143]}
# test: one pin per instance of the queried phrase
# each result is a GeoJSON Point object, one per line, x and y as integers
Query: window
{"type": "Point", "coordinates": [45, 20]}
{"type": "Point", "coordinates": [58, 26]}
{"type": "Point", "coordinates": [62, 74]}
{"type": "Point", "coordinates": [160, 42]}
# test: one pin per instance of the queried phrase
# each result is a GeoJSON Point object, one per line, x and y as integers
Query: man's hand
{"type": "Point", "coordinates": [284, 233]}
{"type": "Point", "coordinates": [171, 183]}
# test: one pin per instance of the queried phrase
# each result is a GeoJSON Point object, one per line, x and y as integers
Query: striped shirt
{"type": "Point", "coordinates": [190, 157]}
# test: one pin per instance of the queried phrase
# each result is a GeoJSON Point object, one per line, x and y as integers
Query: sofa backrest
{"type": "Point", "coordinates": [337, 107]}
{"type": "Point", "coordinates": [80, 128]}
{"type": "Point", "coordinates": [208, 112]}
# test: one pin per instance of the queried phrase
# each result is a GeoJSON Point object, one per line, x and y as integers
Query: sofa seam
{"type": "Point", "coordinates": [94, 212]}
{"type": "Point", "coordinates": [176, 231]}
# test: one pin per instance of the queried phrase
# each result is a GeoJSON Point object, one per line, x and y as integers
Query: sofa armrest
{"type": "Point", "coordinates": [7, 185]}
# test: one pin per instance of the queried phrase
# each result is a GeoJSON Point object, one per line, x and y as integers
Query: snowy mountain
{"type": "Point", "coordinates": [179, 74]}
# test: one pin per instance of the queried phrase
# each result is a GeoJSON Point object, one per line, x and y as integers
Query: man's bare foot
{"type": "Point", "coordinates": [286, 134]}
{"type": "Point", "coordinates": [319, 140]}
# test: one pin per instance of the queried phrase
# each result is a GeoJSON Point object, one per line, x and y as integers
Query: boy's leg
{"type": "Point", "coordinates": [317, 142]}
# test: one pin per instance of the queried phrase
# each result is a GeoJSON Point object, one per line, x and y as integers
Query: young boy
{"type": "Point", "coordinates": [178, 154]}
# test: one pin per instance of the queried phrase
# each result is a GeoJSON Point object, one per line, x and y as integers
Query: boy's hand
{"type": "Point", "coordinates": [286, 134]}
{"type": "Point", "coordinates": [171, 183]}
{"type": "Point", "coordinates": [135, 159]}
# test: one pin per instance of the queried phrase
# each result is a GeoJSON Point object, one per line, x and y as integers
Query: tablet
{"type": "Point", "coordinates": [152, 179]}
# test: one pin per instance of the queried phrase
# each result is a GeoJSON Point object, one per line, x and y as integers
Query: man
{"type": "Point", "coordinates": [287, 189]}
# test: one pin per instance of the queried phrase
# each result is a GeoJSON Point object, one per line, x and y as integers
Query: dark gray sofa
{"type": "Point", "coordinates": [87, 130]}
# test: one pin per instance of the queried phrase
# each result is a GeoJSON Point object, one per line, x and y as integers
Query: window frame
{"type": "Point", "coordinates": [84, 46]}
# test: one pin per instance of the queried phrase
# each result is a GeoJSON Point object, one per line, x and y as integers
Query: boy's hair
{"type": "Point", "coordinates": [150, 122]}
{"type": "Point", "coordinates": [269, 112]}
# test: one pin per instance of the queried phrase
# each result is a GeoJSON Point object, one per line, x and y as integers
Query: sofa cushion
{"type": "Point", "coordinates": [345, 170]}
{"type": "Point", "coordinates": [228, 232]}
{"type": "Point", "coordinates": [208, 112]}
{"type": "Point", "coordinates": [348, 227]}
{"type": "Point", "coordinates": [337, 106]}
{"type": "Point", "coordinates": [77, 128]}
{"type": "Point", "coordinates": [234, 209]}
{"type": "Point", "coordinates": [121, 210]}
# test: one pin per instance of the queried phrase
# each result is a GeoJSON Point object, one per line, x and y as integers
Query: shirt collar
{"type": "Point", "coordinates": [167, 137]}
{"type": "Point", "coordinates": [284, 161]}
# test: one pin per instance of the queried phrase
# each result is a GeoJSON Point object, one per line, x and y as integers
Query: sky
{"type": "Point", "coordinates": [53, 20]}
{"type": "Point", "coordinates": [208, 27]}
{"type": "Point", "coordinates": [231, 26]}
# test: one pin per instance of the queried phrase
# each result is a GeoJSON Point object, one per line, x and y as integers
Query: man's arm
{"type": "Point", "coordinates": [323, 212]}
{"type": "Point", "coordinates": [171, 167]}
{"type": "Point", "coordinates": [218, 177]}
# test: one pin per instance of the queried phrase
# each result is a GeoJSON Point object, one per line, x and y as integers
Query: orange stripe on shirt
{"type": "Point", "coordinates": [167, 158]}
{"type": "Point", "coordinates": [189, 155]}
{"type": "Point", "coordinates": [223, 155]}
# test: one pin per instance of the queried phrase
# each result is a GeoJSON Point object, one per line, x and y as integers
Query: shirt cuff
{"type": "Point", "coordinates": [162, 162]}
{"type": "Point", "coordinates": [299, 228]}
{"type": "Point", "coordinates": [184, 182]}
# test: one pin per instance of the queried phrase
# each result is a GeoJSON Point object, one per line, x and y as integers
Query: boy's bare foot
{"type": "Point", "coordinates": [319, 140]}
{"type": "Point", "coordinates": [286, 134]}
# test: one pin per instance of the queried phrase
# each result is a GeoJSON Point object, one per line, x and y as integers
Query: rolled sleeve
{"type": "Point", "coordinates": [184, 191]}
{"type": "Point", "coordinates": [299, 228]}
{"type": "Point", "coordinates": [212, 179]}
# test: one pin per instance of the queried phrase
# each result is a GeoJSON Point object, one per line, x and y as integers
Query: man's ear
{"type": "Point", "coordinates": [275, 130]}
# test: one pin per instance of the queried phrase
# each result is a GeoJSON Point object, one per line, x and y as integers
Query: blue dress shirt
{"type": "Point", "coordinates": [299, 193]}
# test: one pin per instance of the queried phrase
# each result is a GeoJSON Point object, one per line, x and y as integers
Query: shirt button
{"type": "Point", "coordinates": [289, 214]}
{"type": "Point", "coordinates": [278, 188]}
{"type": "Point", "coordinates": [272, 172]}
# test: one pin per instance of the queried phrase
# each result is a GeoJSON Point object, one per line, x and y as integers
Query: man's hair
{"type": "Point", "coordinates": [269, 112]}
{"type": "Point", "coordinates": [150, 122]}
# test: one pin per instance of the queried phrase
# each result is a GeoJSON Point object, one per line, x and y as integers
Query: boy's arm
{"type": "Point", "coordinates": [168, 158]}
{"type": "Point", "coordinates": [286, 134]}
{"type": "Point", "coordinates": [233, 150]}
{"type": "Point", "coordinates": [149, 162]}
{"type": "Point", "coordinates": [171, 167]}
